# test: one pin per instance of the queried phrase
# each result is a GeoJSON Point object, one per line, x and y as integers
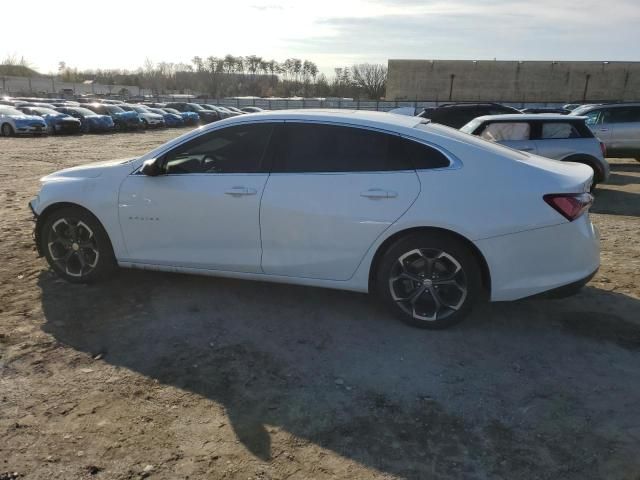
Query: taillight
{"type": "Point", "coordinates": [569, 205]}
{"type": "Point", "coordinates": [603, 147]}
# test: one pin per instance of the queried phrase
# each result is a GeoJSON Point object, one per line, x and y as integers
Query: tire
{"type": "Point", "coordinates": [7, 130]}
{"type": "Point", "coordinates": [76, 245]}
{"type": "Point", "coordinates": [429, 280]}
{"type": "Point", "coordinates": [146, 124]}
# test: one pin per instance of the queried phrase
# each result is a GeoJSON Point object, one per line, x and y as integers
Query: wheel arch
{"type": "Point", "coordinates": [386, 244]}
{"type": "Point", "coordinates": [54, 207]}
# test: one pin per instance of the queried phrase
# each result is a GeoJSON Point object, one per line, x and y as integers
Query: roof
{"type": "Point", "coordinates": [359, 117]}
{"type": "Point", "coordinates": [531, 116]}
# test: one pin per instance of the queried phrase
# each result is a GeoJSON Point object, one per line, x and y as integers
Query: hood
{"type": "Point", "coordinates": [26, 117]}
{"type": "Point", "coordinates": [90, 170]}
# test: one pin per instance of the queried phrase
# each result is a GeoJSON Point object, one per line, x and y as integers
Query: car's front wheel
{"type": "Point", "coordinates": [7, 130]}
{"type": "Point", "coordinates": [76, 245]}
{"type": "Point", "coordinates": [431, 280]}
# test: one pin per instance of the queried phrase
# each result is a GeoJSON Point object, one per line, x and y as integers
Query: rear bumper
{"type": "Point", "coordinates": [528, 263]}
{"type": "Point", "coordinates": [566, 290]}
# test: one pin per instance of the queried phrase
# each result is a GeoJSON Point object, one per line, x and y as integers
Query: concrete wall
{"type": "Point", "coordinates": [512, 81]}
{"type": "Point", "coordinates": [46, 85]}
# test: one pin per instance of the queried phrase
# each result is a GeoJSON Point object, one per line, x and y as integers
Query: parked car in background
{"type": "Point", "coordinates": [170, 119]}
{"type": "Point", "coordinates": [149, 118]}
{"type": "Point", "coordinates": [14, 122]}
{"type": "Point", "coordinates": [560, 137]}
{"type": "Point", "coordinates": [571, 106]}
{"type": "Point", "coordinates": [190, 118]}
{"type": "Point", "coordinates": [458, 114]}
{"type": "Point", "coordinates": [410, 211]}
{"type": "Point", "coordinates": [234, 109]}
{"type": "Point", "coordinates": [91, 122]}
{"type": "Point", "coordinates": [123, 120]}
{"type": "Point", "coordinates": [252, 109]}
{"type": "Point", "coordinates": [222, 113]}
{"type": "Point", "coordinates": [206, 116]}
{"type": "Point", "coordinates": [615, 124]}
{"type": "Point", "coordinates": [561, 111]}
{"type": "Point", "coordinates": [57, 122]}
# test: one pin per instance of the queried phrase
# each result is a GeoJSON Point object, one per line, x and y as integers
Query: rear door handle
{"type": "Point", "coordinates": [239, 191]}
{"type": "Point", "coordinates": [376, 193]}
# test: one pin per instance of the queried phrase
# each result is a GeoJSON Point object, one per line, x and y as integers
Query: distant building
{"type": "Point", "coordinates": [512, 81]}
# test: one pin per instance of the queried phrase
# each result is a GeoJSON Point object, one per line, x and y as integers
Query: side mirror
{"type": "Point", "coordinates": [151, 167]}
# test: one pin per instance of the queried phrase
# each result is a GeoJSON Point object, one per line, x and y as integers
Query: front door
{"type": "Point", "coordinates": [203, 210]}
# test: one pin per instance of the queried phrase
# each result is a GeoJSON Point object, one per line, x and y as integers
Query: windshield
{"type": "Point", "coordinates": [140, 109]}
{"type": "Point", "coordinates": [9, 111]}
{"type": "Point", "coordinates": [196, 107]}
{"type": "Point", "coordinates": [113, 109]}
{"type": "Point", "coordinates": [46, 111]}
{"type": "Point", "coordinates": [84, 111]}
{"type": "Point", "coordinates": [171, 110]}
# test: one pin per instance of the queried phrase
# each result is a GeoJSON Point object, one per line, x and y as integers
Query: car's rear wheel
{"type": "Point", "coordinates": [431, 280]}
{"type": "Point", "coordinates": [76, 245]}
{"type": "Point", "coordinates": [7, 130]}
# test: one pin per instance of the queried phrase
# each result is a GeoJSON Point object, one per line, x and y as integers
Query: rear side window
{"type": "Point", "coordinates": [506, 131]}
{"type": "Point", "coordinates": [308, 148]}
{"type": "Point", "coordinates": [558, 130]}
{"type": "Point", "coordinates": [622, 115]}
{"type": "Point", "coordinates": [421, 157]}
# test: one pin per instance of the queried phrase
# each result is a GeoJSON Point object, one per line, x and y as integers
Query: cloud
{"type": "Point", "coordinates": [482, 29]}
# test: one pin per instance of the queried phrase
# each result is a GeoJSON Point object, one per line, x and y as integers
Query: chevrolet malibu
{"type": "Point", "coordinates": [428, 219]}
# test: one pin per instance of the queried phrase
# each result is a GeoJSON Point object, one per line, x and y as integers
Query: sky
{"type": "Point", "coordinates": [123, 34]}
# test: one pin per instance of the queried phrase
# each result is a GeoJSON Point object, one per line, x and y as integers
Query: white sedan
{"type": "Point", "coordinates": [427, 218]}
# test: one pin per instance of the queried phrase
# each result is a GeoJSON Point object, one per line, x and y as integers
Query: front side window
{"type": "Point", "coordinates": [593, 117]}
{"type": "Point", "coordinates": [506, 131]}
{"type": "Point", "coordinates": [237, 149]}
{"type": "Point", "coordinates": [558, 130]}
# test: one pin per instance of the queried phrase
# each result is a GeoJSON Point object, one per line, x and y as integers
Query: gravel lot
{"type": "Point", "coordinates": [171, 376]}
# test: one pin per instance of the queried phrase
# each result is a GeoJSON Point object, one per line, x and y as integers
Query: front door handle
{"type": "Point", "coordinates": [239, 191]}
{"type": "Point", "coordinates": [527, 149]}
{"type": "Point", "coordinates": [376, 193]}
{"type": "Point", "coordinates": [604, 130]}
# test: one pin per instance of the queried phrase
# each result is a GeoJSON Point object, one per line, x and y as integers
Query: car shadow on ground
{"type": "Point", "coordinates": [335, 369]}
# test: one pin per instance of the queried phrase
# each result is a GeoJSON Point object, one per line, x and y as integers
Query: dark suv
{"type": "Point", "coordinates": [458, 114]}
{"type": "Point", "coordinates": [206, 116]}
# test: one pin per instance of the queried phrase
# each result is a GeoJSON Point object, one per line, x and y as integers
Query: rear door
{"type": "Point", "coordinates": [332, 191]}
{"type": "Point", "coordinates": [557, 139]}
{"type": "Point", "coordinates": [624, 123]}
{"type": "Point", "coordinates": [512, 134]}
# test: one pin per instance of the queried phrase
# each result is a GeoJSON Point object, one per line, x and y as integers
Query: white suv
{"type": "Point", "coordinates": [560, 137]}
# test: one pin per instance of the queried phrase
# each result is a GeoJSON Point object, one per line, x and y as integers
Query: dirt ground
{"type": "Point", "coordinates": [171, 376]}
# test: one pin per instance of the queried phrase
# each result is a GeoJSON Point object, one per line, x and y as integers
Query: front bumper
{"type": "Point", "coordinates": [36, 230]}
{"type": "Point", "coordinates": [31, 129]}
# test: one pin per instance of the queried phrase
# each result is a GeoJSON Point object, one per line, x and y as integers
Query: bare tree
{"type": "Point", "coordinates": [372, 78]}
